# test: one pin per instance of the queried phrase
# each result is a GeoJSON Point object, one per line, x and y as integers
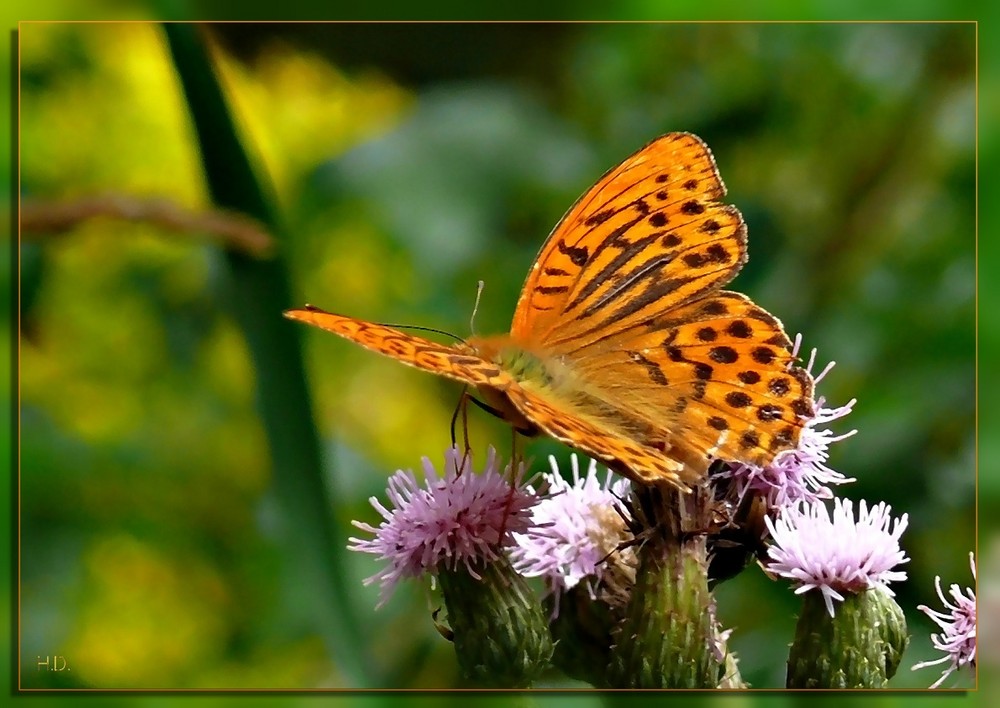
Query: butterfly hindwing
{"type": "Point", "coordinates": [641, 463]}
{"type": "Point", "coordinates": [717, 374]}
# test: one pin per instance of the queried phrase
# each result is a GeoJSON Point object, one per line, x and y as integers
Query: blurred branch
{"type": "Point", "coordinates": [232, 230]}
{"type": "Point", "coordinates": [259, 292]}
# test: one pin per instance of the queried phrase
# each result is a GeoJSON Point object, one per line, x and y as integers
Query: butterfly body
{"type": "Point", "coordinates": [523, 368]}
{"type": "Point", "coordinates": [623, 343]}
{"type": "Point", "coordinates": [520, 362]}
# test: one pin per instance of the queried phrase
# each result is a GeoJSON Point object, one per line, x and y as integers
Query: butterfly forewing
{"type": "Point", "coordinates": [454, 362]}
{"type": "Point", "coordinates": [627, 291]}
{"type": "Point", "coordinates": [649, 232]}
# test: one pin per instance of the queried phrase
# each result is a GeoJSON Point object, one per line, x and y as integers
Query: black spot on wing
{"type": "Point", "coordinates": [600, 217]}
{"type": "Point", "coordinates": [578, 255]}
{"type": "Point", "coordinates": [692, 207]}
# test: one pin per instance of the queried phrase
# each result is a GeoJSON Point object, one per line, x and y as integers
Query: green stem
{"type": "Point", "coordinates": [667, 638]}
{"type": "Point", "coordinates": [258, 293]}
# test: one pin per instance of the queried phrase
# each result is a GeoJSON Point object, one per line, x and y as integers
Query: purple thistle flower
{"type": "Point", "coordinates": [958, 636]}
{"type": "Point", "coordinates": [460, 518]}
{"type": "Point", "coordinates": [836, 555]}
{"type": "Point", "coordinates": [574, 528]}
{"type": "Point", "coordinates": [800, 474]}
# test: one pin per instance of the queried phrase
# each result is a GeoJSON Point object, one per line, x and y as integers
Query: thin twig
{"type": "Point", "coordinates": [233, 230]}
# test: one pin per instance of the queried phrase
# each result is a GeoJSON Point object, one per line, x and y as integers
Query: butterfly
{"type": "Point", "coordinates": [623, 344]}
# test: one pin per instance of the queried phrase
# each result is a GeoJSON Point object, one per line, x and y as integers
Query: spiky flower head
{"type": "Point", "coordinates": [837, 554]}
{"type": "Point", "coordinates": [575, 529]}
{"type": "Point", "coordinates": [957, 638]}
{"type": "Point", "coordinates": [457, 528]}
{"type": "Point", "coordinates": [457, 518]}
{"type": "Point", "coordinates": [578, 546]}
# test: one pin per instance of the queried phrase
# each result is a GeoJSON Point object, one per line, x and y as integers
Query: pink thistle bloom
{"type": "Point", "coordinates": [574, 528]}
{"type": "Point", "coordinates": [958, 636]}
{"type": "Point", "coordinates": [458, 518]}
{"type": "Point", "coordinates": [837, 554]}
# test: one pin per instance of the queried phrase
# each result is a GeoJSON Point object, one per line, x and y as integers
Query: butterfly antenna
{"type": "Point", "coordinates": [432, 330]}
{"type": "Point", "coordinates": [475, 308]}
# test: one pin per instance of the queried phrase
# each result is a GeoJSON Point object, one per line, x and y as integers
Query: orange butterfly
{"type": "Point", "coordinates": [623, 345]}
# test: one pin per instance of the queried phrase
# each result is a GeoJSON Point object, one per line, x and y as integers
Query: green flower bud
{"type": "Point", "coordinates": [501, 635]}
{"type": "Point", "coordinates": [859, 647]}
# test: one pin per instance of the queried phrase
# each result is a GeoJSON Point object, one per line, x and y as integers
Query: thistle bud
{"type": "Point", "coordinates": [859, 647]}
{"type": "Point", "coordinates": [501, 635]}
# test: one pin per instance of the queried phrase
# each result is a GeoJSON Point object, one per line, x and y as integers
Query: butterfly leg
{"type": "Point", "coordinates": [462, 409]}
{"type": "Point", "coordinates": [515, 468]}
{"type": "Point", "coordinates": [497, 413]}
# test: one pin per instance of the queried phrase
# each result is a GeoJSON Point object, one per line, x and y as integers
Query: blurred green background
{"type": "Point", "coordinates": [159, 546]}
